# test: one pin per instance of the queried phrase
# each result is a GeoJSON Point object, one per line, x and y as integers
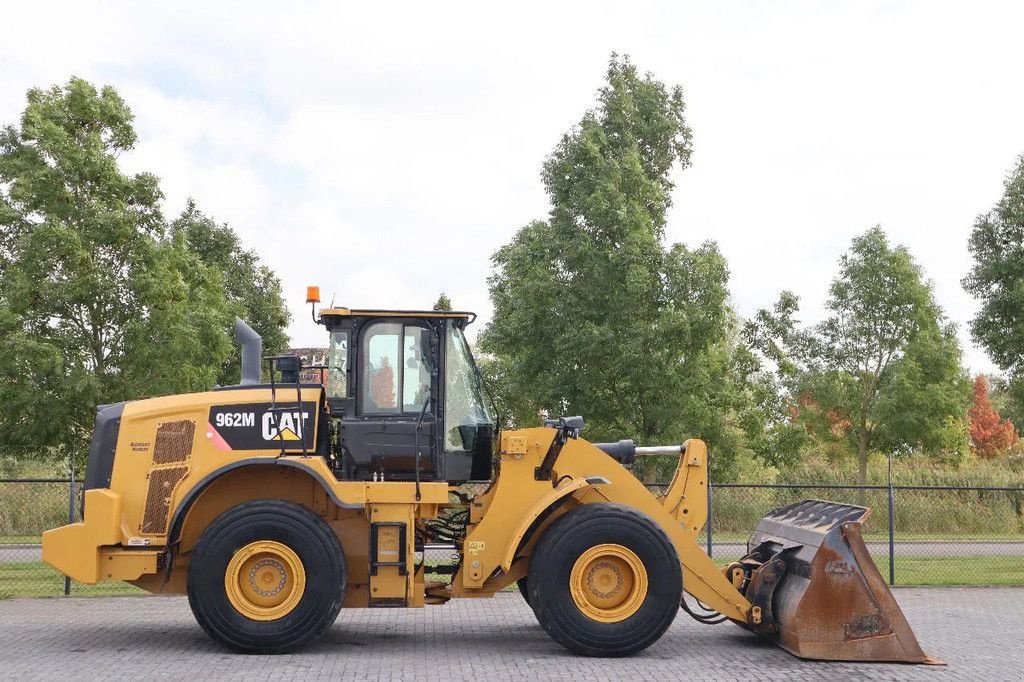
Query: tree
{"type": "Point", "coordinates": [997, 278]}
{"type": "Point", "coordinates": [443, 303]}
{"type": "Point", "coordinates": [990, 435]}
{"type": "Point", "coordinates": [883, 370]}
{"type": "Point", "coordinates": [252, 289]}
{"type": "Point", "coordinates": [95, 305]}
{"type": "Point", "coordinates": [593, 313]}
{"type": "Point", "coordinates": [382, 385]}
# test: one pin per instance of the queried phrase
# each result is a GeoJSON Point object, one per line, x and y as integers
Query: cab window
{"type": "Point", "coordinates": [337, 365]}
{"type": "Point", "coordinates": [395, 369]}
{"type": "Point", "coordinates": [465, 413]}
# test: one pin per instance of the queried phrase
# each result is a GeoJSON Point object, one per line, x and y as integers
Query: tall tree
{"type": "Point", "coordinates": [443, 302]}
{"type": "Point", "coordinates": [593, 313]}
{"type": "Point", "coordinates": [94, 305]}
{"type": "Point", "coordinates": [997, 278]}
{"type": "Point", "coordinates": [253, 290]}
{"type": "Point", "coordinates": [883, 369]}
{"type": "Point", "coordinates": [991, 436]}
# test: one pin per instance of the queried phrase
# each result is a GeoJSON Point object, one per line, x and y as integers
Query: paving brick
{"type": "Point", "coordinates": [976, 630]}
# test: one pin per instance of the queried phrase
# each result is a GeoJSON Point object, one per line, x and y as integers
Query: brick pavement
{"type": "Point", "coordinates": [976, 630]}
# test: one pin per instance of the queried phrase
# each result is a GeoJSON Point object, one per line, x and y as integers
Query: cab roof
{"type": "Point", "coordinates": [353, 312]}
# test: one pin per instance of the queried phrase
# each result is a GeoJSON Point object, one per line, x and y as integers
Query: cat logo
{"type": "Point", "coordinates": [288, 427]}
{"type": "Point", "coordinates": [262, 426]}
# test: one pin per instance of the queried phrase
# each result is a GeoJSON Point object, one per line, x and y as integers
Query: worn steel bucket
{"type": "Point", "coordinates": [828, 600]}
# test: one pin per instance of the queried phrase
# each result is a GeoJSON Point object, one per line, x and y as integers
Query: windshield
{"type": "Point", "coordinates": [465, 413]}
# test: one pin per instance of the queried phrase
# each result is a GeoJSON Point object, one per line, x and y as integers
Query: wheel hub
{"type": "Point", "coordinates": [608, 583]}
{"type": "Point", "coordinates": [265, 580]}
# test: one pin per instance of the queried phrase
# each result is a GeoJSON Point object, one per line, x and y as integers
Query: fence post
{"type": "Point", "coordinates": [709, 514]}
{"type": "Point", "coordinates": [71, 516]}
{"type": "Point", "coordinates": [892, 534]}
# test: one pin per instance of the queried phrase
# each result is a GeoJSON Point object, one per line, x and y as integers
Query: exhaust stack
{"type": "Point", "coordinates": [251, 345]}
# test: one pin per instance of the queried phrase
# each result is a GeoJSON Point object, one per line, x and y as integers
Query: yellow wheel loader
{"type": "Point", "coordinates": [274, 504]}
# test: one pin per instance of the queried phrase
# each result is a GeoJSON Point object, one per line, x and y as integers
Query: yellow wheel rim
{"type": "Point", "coordinates": [608, 583]}
{"type": "Point", "coordinates": [265, 580]}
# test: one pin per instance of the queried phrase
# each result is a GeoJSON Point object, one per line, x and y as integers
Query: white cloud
{"type": "Point", "coordinates": [385, 150]}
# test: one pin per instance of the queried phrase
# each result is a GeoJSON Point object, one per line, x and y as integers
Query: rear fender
{"type": "Point", "coordinates": [242, 481]}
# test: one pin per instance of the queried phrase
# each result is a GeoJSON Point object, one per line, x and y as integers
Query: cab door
{"type": "Point", "coordinates": [396, 380]}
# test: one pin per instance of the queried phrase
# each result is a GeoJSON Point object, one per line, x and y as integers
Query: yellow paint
{"type": "Point", "coordinates": [687, 495]}
{"type": "Point", "coordinates": [608, 583]}
{"type": "Point", "coordinates": [74, 549]}
{"type": "Point", "coordinates": [499, 516]}
{"type": "Point", "coordinates": [567, 487]}
{"type": "Point", "coordinates": [505, 521]}
{"type": "Point", "coordinates": [265, 580]}
{"type": "Point", "coordinates": [127, 564]}
{"type": "Point", "coordinates": [389, 585]}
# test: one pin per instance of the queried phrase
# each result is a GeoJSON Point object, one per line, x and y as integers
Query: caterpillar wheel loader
{"type": "Point", "coordinates": [274, 504]}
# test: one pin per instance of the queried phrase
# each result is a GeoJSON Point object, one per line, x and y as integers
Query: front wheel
{"type": "Point", "coordinates": [266, 577]}
{"type": "Point", "coordinates": [611, 581]}
{"type": "Point", "coordinates": [524, 589]}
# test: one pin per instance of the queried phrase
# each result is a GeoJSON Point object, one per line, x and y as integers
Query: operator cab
{"type": "Point", "coordinates": [403, 392]}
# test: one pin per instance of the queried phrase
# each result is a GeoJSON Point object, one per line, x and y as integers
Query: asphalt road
{"type": "Point", "coordinates": [975, 630]}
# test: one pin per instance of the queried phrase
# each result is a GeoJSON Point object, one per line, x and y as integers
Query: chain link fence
{"type": "Point", "coordinates": [918, 535]}
{"type": "Point", "coordinates": [28, 507]}
{"type": "Point", "coordinates": [933, 535]}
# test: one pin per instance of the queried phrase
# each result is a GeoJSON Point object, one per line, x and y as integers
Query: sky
{"type": "Point", "coordinates": [384, 151]}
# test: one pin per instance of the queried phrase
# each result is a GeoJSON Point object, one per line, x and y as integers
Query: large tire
{"type": "Point", "coordinates": [524, 589]}
{"type": "Point", "coordinates": [605, 580]}
{"type": "Point", "coordinates": [266, 577]}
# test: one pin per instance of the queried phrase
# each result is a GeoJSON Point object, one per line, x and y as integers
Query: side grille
{"type": "Point", "coordinates": [173, 442]}
{"type": "Point", "coordinates": [171, 452]}
{"type": "Point", "coordinates": [158, 500]}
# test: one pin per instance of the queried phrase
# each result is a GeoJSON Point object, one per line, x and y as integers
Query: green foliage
{"type": "Point", "coordinates": [922, 405]}
{"type": "Point", "coordinates": [443, 303]}
{"type": "Point", "coordinates": [1007, 396]}
{"type": "Point", "coordinates": [593, 313]}
{"type": "Point", "coordinates": [882, 370]}
{"type": "Point", "coordinates": [997, 278]}
{"type": "Point", "coordinates": [97, 302]}
{"type": "Point", "coordinates": [253, 290]}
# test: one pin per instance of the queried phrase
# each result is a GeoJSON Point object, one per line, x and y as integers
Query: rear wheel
{"type": "Point", "coordinates": [612, 581]}
{"type": "Point", "coordinates": [266, 577]}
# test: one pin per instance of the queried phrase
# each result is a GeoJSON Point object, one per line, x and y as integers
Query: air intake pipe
{"type": "Point", "coordinates": [251, 345]}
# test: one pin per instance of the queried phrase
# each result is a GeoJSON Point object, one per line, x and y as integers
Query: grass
{"type": "Point", "coordinates": [20, 539]}
{"type": "Point", "coordinates": [977, 571]}
{"type": "Point", "coordinates": [36, 579]}
{"type": "Point", "coordinates": [980, 570]}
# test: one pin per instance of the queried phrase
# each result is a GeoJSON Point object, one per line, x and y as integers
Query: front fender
{"type": "Point", "coordinates": [540, 506]}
